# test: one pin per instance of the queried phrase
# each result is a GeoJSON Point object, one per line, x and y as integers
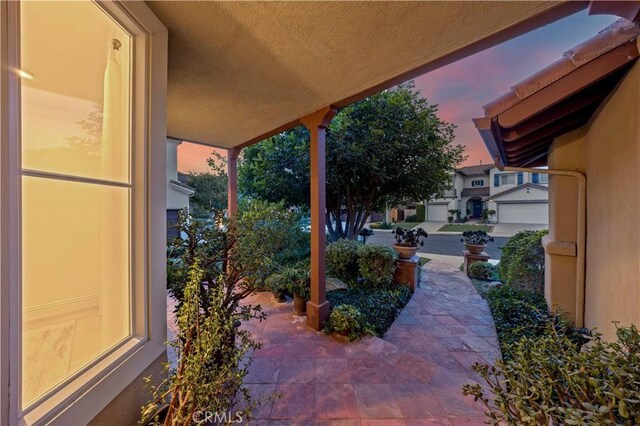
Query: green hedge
{"type": "Point", "coordinates": [376, 263]}
{"type": "Point", "coordinates": [522, 261]}
{"type": "Point", "coordinates": [421, 213]}
{"type": "Point", "coordinates": [483, 271]}
{"type": "Point", "coordinates": [342, 260]}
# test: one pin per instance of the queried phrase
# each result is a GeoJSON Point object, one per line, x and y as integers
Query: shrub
{"type": "Point", "coordinates": [409, 237]}
{"type": "Point", "coordinates": [476, 237]}
{"type": "Point", "coordinates": [551, 380]}
{"type": "Point", "coordinates": [377, 263]}
{"type": "Point", "coordinates": [521, 313]}
{"type": "Point", "coordinates": [411, 218]}
{"type": "Point", "coordinates": [522, 262]}
{"type": "Point", "coordinates": [348, 321]}
{"type": "Point", "coordinates": [483, 271]}
{"type": "Point", "coordinates": [380, 306]}
{"type": "Point", "coordinates": [292, 280]}
{"type": "Point", "coordinates": [420, 213]}
{"type": "Point", "coordinates": [342, 260]}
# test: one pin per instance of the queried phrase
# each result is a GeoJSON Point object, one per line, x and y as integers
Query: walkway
{"type": "Point", "coordinates": [411, 377]}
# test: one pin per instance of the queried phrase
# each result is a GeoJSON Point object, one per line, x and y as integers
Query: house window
{"type": "Point", "coordinates": [543, 178]}
{"type": "Point", "coordinates": [77, 190]}
{"type": "Point", "coordinates": [478, 182]}
{"type": "Point", "coordinates": [508, 179]}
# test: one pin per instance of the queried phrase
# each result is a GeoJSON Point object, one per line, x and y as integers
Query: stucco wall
{"type": "Point", "coordinates": [613, 218]}
{"type": "Point", "coordinates": [607, 150]}
{"type": "Point", "coordinates": [567, 153]}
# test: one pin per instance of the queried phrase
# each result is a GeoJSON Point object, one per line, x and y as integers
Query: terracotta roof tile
{"type": "Point", "coordinates": [476, 170]}
{"type": "Point", "coordinates": [475, 192]}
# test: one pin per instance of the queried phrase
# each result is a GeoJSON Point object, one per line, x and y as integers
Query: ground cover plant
{"type": "Point", "coordinates": [553, 379]}
{"type": "Point", "coordinates": [484, 271]}
{"type": "Point", "coordinates": [379, 306]}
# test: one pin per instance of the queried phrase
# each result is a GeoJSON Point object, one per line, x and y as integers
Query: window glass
{"type": "Point", "coordinates": [543, 178]}
{"type": "Point", "coordinates": [76, 233]}
{"type": "Point", "coordinates": [508, 179]}
{"type": "Point", "coordinates": [69, 126]}
{"type": "Point", "coordinates": [479, 182]}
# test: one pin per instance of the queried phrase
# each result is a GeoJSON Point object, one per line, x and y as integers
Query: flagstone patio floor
{"type": "Point", "coordinates": [412, 376]}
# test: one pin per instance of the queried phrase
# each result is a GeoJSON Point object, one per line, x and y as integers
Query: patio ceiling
{"type": "Point", "coordinates": [242, 71]}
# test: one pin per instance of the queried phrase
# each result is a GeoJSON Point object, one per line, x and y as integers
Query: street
{"type": "Point", "coordinates": [440, 244]}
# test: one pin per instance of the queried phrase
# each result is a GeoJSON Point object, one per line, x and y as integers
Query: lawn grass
{"type": "Point", "coordinates": [423, 260]}
{"type": "Point", "coordinates": [462, 228]}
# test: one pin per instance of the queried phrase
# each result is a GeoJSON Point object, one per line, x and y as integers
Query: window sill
{"type": "Point", "coordinates": [83, 398]}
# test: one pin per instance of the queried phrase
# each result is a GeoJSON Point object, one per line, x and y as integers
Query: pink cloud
{"type": "Point", "coordinates": [193, 157]}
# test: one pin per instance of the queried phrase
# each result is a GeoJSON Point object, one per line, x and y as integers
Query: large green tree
{"type": "Point", "coordinates": [210, 188]}
{"type": "Point", "coordinates": [389, 148]}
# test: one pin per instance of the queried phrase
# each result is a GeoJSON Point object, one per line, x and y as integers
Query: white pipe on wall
{"type": "Point", "coordinates": [582, 229]}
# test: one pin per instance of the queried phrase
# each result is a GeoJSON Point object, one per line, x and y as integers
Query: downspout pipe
{"type": "Point", "coordinates": [582, 228]}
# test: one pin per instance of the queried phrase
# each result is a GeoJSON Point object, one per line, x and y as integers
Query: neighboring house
{"type": "Point", "coordinates": [581, 118]}
{"type": "Point", "coordinates": [178, 192]}
{"type": "Point", "coordinates": [516, 197]}
{"type": "Point", "coordinates": [83, 316]}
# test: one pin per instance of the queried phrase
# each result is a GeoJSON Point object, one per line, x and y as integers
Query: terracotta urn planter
{"type": "Point", "coordinates": [405, 252]}
{"type": "Point", "coordinates": [299, 305]}
{"type": "Point", "coordinates": [474, 248]}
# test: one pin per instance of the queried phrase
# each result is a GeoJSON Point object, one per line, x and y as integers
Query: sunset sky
{"type": "Point", "coordinates": [462, 88]}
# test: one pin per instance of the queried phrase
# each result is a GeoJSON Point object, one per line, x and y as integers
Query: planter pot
{"type": "Point", "coordinates": [405, 252]}
{"type": "Point", "coordinates": [299, 305]}
{"type": "Point", "coordinates": [474, 248]}
{"type": "Point", "coordinates": [279, 297]}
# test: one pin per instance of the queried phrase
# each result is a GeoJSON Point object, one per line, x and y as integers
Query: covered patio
{"type": "Point", "coordinates": [281, 76]}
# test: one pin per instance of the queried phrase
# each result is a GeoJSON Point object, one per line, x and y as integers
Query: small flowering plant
{"type": "Point", "coordinates": [409, 237]}
{"type": "Point", "coordinates": [478, 238]}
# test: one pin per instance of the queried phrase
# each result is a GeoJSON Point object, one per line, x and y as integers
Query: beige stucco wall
{"type": "Point", "coordinates": [613, 215]}
{"type": "Point", "coordinates": [567, 153]}
{"type": "Point", "coordinates": [125, 408]}
{"type": "Point", "coordinates": [607, 149]}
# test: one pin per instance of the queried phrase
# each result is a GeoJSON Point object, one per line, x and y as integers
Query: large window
{"type": "Point", "coordinates": [508, 179]}
{"type": "Point", "coordinates": [76, 190]}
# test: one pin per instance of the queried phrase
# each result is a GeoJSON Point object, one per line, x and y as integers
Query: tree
{"type": "Point", "coordinates": [388, 148]}
{"type": "Point", "coordinates": [210, 188]}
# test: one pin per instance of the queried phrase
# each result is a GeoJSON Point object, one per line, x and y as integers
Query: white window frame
{"type": "Point", "coordinates": [543, 178]}
{"type": "Point", "coordinates": [80, 398]}
{"type": "Point", "coordinates": [503, 175]}
{"type": "Point", "coordinates": [477, 183]}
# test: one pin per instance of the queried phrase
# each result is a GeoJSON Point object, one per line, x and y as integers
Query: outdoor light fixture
{"type": "Point", "coordinates": [25, 74]}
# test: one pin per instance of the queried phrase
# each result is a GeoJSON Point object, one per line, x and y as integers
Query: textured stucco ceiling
{"type": "Point", "coordinates": [238, 70]}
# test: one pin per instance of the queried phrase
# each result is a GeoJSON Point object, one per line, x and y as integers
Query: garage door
{"type": "Point", "coordinates": [437, 212]}
{"type": "Point", "coordinates": [524, 213]}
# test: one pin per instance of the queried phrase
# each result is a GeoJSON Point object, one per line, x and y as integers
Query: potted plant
{"type": "Point", "coordinates": [297, 281]}
{"type": "Point", "coordinates": [408, 241]}
{"type": "Point", "coordinates": [475, 241]}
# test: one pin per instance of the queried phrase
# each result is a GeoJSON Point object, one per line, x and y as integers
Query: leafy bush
{"type": "Point", "coordinates": [409, 237]}
{"type": "Point", "coordinates": [342, 260]}
{"type": "Point", "coordinates": [380, 306]}
{"type": "Point", "coordinates": [348, 321]}
{"type": "Point", "coordinates": [552, 380]}
{"type": "Point", "coordinates": [522, 262]}
{"type": "Point", "coordinates": [411, 218]}
{"type": "Point", "coordinates": [520, 313]}
{"type": "Point", "coordinates": [476, 237]}
{"type": "Point", "coordinates": [214, 358]}
{"type": "Point", "coordinates": [377, 263]}
{"type": "Point", "coordinates": [292, 280]}
{"type": "Point", "coordinates": [420, 213]}
{"type": "Point", "coordinates": [483, 271]}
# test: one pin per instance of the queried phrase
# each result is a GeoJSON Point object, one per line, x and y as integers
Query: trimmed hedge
{"type": "Point", "coordinates": [522, 262]}
{"type": "Point", "coordinates": [421, 213]}
{"type": "Point", "coordinates": [342, 260]}
{"type": "Point", "coordinates": [376, 263]}
{"type": "Point", "coordinates": [348, 321]}
{"type": "Point", "coordinates": [483, 271]}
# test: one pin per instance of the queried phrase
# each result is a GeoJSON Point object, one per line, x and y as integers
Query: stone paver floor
{"type": "Point", "coordinates": [413, 376]}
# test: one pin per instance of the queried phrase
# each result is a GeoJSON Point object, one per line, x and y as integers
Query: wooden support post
{"type": "Point", "coordinates": [318, 306]}
{"type": "Point", "coordinates": [232, 181]}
